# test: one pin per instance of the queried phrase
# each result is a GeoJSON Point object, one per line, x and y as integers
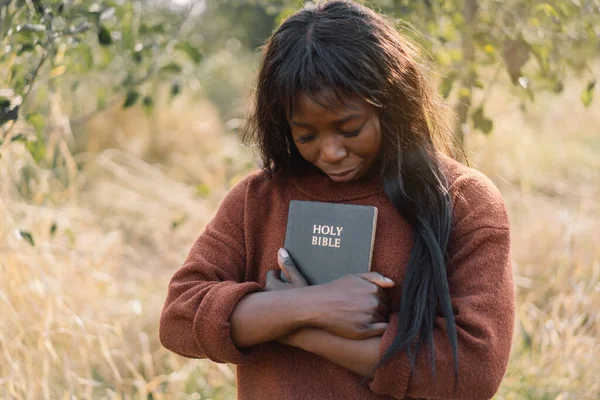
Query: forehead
{"type": "Point", "coordinates": [328, 105]}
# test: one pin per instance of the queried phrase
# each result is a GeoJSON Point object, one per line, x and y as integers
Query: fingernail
{"type": "Point", "coordinates": [283, 253]}
{"type": "Point", "coordinates": [388, 280]}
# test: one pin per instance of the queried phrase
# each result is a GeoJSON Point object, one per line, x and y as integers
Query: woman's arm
{"type": "Point", "coordinates": [359, 356]}
{"type": "Point", "coordinates": [204, 291]}
{"type": "Point", "coordinates": [212, 312]}
{"type": "Point", "coordinates": [352, 307]}
{"type": "Point", "coordinates": [263, 317]}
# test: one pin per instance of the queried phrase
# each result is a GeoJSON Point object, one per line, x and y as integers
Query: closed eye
{"type": "Point", "coordinates": [305, 138]}
{"type": "Point", "coordinates": [353, 133]}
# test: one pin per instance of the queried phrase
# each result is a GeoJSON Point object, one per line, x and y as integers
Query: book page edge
{"type": "Point", "coordinates": [373, 237]}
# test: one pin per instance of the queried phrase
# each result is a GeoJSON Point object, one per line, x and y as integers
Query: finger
{"type": "Point", "coordinates": [384, 298]}
{"type": "Point", "coordinates": [382, 309]}
{"type": "Point", "coordinates": [271, 278]}
{"type": "Point", "coordinates": [378, 318]}
{"type": "Point", "coordinates": [377, 279]}
{"type": "Point", "coordinates": [289, 268]}
{"type": "Point", "coordinates": [283, 276]}
{"type": "Point", "coordinates": [376, 329]}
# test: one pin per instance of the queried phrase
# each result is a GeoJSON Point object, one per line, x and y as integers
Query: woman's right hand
{"type": "Point", "coordinates": [354, 306]}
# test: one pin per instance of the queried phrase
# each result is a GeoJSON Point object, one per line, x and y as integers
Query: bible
{"type": "Point", "coordinates": [329, 240]}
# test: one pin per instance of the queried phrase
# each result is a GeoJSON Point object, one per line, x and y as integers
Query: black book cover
{"type": "Point", "coordinates": [330, 240]}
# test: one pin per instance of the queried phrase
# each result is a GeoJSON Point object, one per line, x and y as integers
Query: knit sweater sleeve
{"type": "Point", "coordinates": [482, 295]}
{"type": "Point", "coordinates": [204, 291]}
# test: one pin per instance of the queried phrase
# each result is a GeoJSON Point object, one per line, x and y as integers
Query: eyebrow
{"type": "Point", "coordinates": [337, 122]}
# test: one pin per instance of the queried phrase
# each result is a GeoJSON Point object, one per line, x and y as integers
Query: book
{"type": "Point", "coordinates": [329, 240]}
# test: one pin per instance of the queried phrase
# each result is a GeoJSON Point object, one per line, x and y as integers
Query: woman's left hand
{"type": "Point", "coordinates": [287, 267]}
{"type": "Point", "coordinates": [294, 280]}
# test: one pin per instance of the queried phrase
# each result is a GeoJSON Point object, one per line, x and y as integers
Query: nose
{"type": "Point", "coordinates": [332, 151]}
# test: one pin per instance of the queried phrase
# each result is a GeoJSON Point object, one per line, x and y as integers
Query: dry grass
{"type": "Point", "coordinates": [80, 308]}
{"type": "Point", "coordinates": [547, 165]}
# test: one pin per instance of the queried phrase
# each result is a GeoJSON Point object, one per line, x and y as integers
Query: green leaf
{"type": "Point", "coordinates": [591, 85]}
{"type": "Point", "coordinates": [172, 68]}
{"type": "Point", "coordinates": [175, 88]}
{"type": "Point", "coordinates": [588, 94]}
{"type": "Point", "coordinates": [446, 86]}
{"type": "Point", "coordinates": [131, 98]}
{"type": "Point", "coordinates": [515, 53]}
{"type": "Point", "coordinates": [8, 114]}
{"type": "Point", "coordinates": [193, 53]}
{"type": "Point", "coordinates": [178, 221]}
{"type": "Point", "coordinates": [25, 48]}
{"type": "Point", "coordinates": [37, 121]}
{"type": "Point", "coordinates": [481, 122]}
{"type": "Point", "coordinates": [203, 190]}
{"type": "Point", "coordinates": [129, 80]}
{"type": "Point", "coordinates": [148, 104]}
{"type": "Point", "coordinates": [541, 55]}
{"type": "Point", "coordinates": [19, 138]}
{"type": "Point", "coordinates": [37, 149]}
{"type": "Point", "coordinates": [104, 36]}
{"type": "Point", "coordinates": [558, 87]}
{"type": "Point", "coordinates": [53, 229]}
{"type": "Point", "coordinates": [70, 236]}
{"type": "Point", "coordinates": [28, 237]}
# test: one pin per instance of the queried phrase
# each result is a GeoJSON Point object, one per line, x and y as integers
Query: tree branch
{"type": "Point", "coordinates": [31, 83]}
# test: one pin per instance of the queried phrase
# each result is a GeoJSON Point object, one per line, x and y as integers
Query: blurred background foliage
{"type": "Point", "coordinates": [118, 124]}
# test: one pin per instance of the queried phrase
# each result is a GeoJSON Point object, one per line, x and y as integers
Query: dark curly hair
{"type": "Point", "coordinates": [348, 49]}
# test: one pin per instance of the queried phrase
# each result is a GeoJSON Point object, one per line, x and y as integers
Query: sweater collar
{"type": "Point", "coordinates": [316, 185]}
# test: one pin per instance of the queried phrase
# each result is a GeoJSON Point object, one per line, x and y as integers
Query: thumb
{"type": "Point", "coordinates": [377, 279]}
{"type": "Point", "coordinates": [289, 268]}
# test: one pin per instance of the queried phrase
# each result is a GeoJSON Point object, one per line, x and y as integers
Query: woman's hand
{"type": "Point", "coordinates": [288, 268]}
{"type": "Point", "coordinates": [354, 306]}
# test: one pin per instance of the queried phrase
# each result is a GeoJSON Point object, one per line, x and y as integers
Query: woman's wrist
{"type": "Point", "coordinates": [265, 316]}
{"type": "Point", "coordinates": [297, 338]}
{"type": "Point", "coordinates": [308, 306]}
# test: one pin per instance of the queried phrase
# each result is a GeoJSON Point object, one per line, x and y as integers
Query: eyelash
{"type": "Point", "coordinates": [306, 139]}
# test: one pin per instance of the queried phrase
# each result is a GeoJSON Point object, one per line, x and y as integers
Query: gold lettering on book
{"type": "Point", "coordinates": [327, 236]}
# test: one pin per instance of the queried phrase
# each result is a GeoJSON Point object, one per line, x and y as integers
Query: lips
{"type": "Point", "coordinates": [344, 176]}
{"type": "Point", "coordinates": [343, 173]}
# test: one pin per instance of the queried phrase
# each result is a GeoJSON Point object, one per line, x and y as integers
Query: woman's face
{"type": "Point", "coordinates": [342, 140]}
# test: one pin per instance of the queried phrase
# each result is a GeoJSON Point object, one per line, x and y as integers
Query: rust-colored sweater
{"type": "Point", "coordinates": [238, 247]}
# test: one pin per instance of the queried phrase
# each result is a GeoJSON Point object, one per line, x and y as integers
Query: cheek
{"type": "Point", "coordinates": [368, 146]}
{"type": "Point", "coordinates": [307, 152]}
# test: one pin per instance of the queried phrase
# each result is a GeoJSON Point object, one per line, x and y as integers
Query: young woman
{"type": "Point", "coordinates": [343, 114]}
